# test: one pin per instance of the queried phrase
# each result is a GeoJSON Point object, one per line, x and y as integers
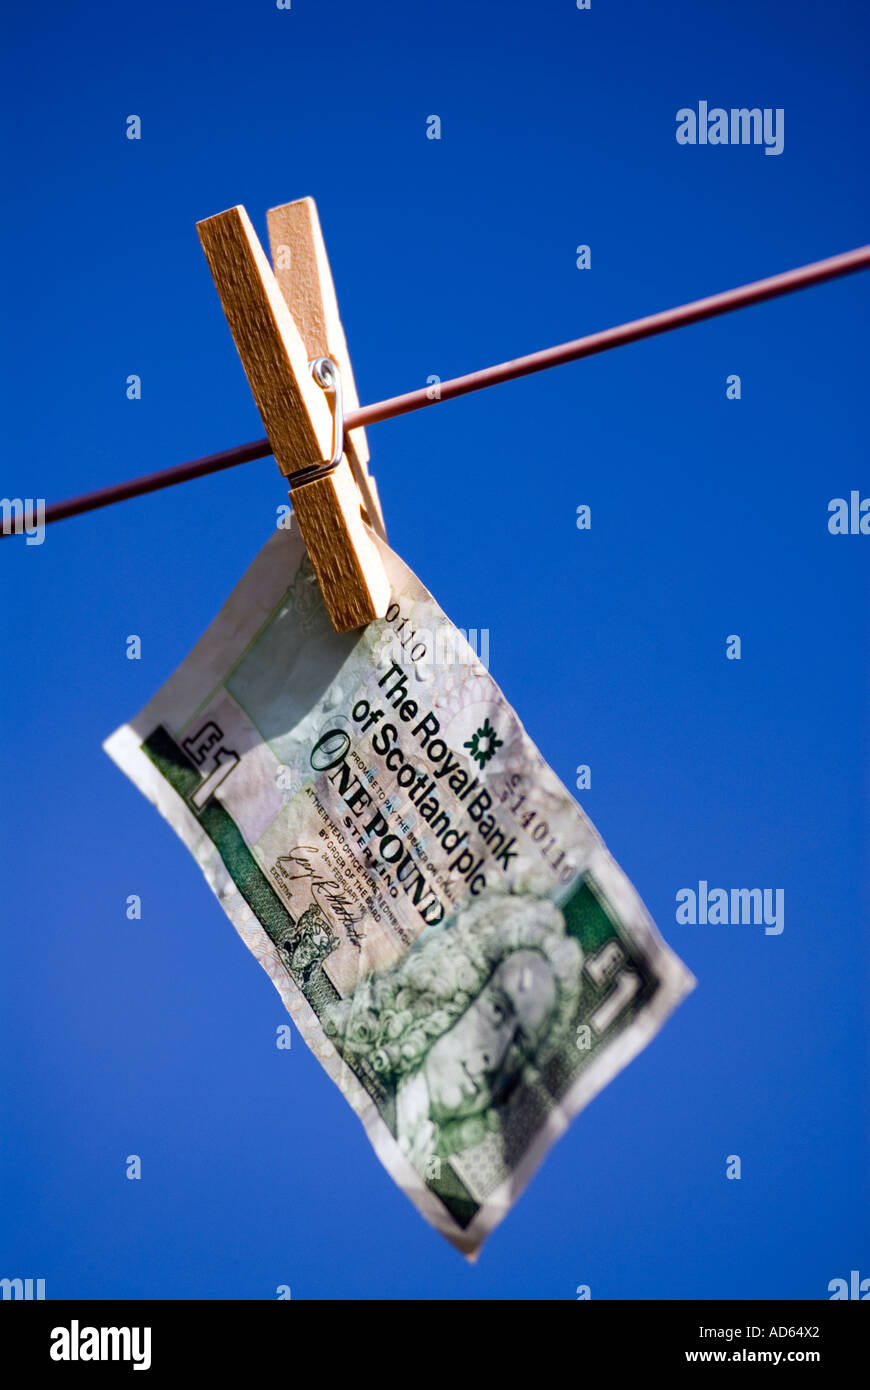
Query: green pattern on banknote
{"type": "Point", "coordinates": [306, 941]}
{"type": "Point", "coordinates": [474, 1037]}
{"type": "Point", "coordinates": [173, 763]}
{"type": "Point", "coordinates": [480, 1029]}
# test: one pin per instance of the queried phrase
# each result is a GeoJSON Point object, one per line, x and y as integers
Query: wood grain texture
{"type": "Point", "coordinates": [293, 407]}
{"type": "Point", "coordinates": [304, 277]}
{"type": "Point", "coordinates": [352, 578]}
{"type": "Point", "coordinates": [302, 271]}
{"type": "Point", "coordinates": [298, 421]}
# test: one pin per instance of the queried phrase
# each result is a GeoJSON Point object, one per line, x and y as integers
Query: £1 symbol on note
{"type": "Point", "coordinates": [216, 762]}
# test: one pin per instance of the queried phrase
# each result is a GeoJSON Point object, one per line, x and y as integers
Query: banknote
{"type": "Point", "coordinates": [442, 921]}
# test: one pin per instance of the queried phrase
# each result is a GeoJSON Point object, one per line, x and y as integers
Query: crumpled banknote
{"type": "Point", "coordinates": [442, 921]}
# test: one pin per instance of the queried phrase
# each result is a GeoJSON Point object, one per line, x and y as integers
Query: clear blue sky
{"type": "Point", "coordinates": [709, 518]}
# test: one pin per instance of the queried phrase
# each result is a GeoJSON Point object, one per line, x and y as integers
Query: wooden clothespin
{"type": "Point", "coordinates": [281, 322]}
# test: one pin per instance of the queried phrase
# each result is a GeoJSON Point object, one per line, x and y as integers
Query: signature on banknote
{"type": "Point", "coordinates": [300, 868]}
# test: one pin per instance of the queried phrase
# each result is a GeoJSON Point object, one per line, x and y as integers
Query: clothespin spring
{"type": "Point", "coordinates": [328, 376]}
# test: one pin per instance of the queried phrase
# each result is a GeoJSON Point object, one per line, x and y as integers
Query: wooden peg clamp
{"type": "Point", "coordinates": [332, 509]}
{"type": "Point", "coordinates": [304, 278]}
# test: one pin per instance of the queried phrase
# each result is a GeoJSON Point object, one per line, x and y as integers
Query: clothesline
{"type": "Point", "coordinates": [759, 290]}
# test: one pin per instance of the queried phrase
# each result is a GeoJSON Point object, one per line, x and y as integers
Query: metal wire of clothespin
{"type": "Point", "coordinates": [328, 378]}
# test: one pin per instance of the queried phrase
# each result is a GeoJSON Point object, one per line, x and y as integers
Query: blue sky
{"type": "Point", "coordinates": [709, 518]}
